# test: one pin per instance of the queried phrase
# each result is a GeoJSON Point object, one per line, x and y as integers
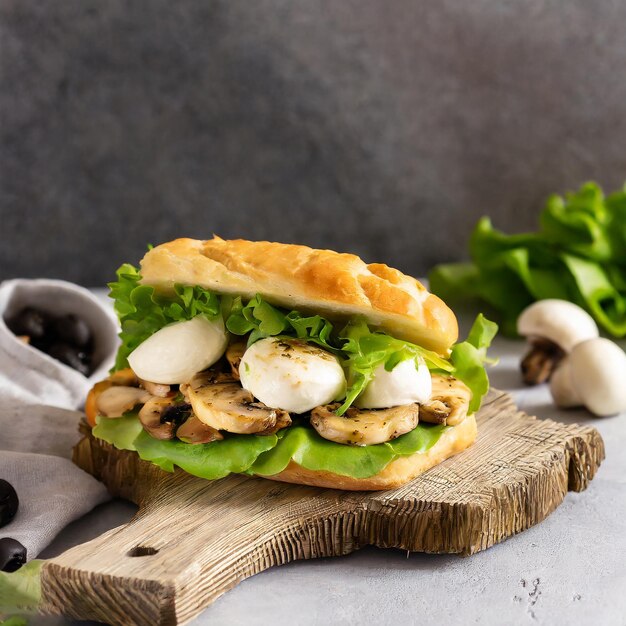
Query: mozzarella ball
{"type": "Point", "coordinates": [408, 382]}
{"type": "Point", "coordinates": [291, 375]}
{"type": "Point", "coordinates": [177, 351]}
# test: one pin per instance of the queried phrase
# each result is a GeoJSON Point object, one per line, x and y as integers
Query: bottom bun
{"type": "Point", "coordinates": [397, 473]}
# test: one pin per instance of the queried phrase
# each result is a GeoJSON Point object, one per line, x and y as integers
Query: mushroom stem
{"type": "Point", "coordinates": [540, 362]}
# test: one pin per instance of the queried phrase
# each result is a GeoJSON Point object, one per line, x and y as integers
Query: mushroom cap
{"type": "Point", "coordinates": [562, 322]}
{"type": "Point", "coordinates": [595, 375]}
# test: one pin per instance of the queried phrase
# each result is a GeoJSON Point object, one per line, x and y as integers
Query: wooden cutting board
{"type": "Point", "coordinates": [192, 539]}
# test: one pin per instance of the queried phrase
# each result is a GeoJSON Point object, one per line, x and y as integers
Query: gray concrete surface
{"type": "Point", "coordinates": [376, 127]}
{"type": "Point", "coordinates": [569, 570]}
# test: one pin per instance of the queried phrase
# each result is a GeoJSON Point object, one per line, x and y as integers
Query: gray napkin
{"type": "Point", "coordinates": [38, 427]}
{"type": "Point", "coordinates": [37, 445]}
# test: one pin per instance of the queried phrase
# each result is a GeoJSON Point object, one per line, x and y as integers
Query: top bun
{"type": "Point", "coordinates": [335, 285]}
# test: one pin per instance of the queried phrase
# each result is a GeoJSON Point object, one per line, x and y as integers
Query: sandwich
{"type": "Point", "coordinates": [282, 361]}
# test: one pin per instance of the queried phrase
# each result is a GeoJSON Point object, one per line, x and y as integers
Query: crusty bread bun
{"type": "Point", "coordinates": [318, 281]}
{"type": "Point", "coordinates": [397, 473]}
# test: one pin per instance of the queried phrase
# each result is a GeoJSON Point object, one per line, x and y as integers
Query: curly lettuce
{"type": "Point", "coordinates": [259, 318]}
{"type": "Point", "coordinates": [579, 254]}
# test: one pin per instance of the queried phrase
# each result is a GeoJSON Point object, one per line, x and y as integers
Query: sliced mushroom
{"type": "Point", "coordinates": [282, 421]}
{"type": "Point", "coordinates": [434, 412]}
{"type": "Point", "coordinates": [153, 416]}
{"type": "Point", "coordinates": [227, 406]}
{"type": "Point", "coordinates": [207, 377]}
{"type": "Point", "coordinates": [115, 401]}
{"type": "Point", "coordinates": [448, 392]}
{"type": "Point", "coordinates": [194, 431]}
{"type": "Point", "coordinates": [234, 352]}
{"type": "Point", "coordinates": [360, 427]}
{"type": "Point", "coordinates": [156, 389]}
{"type": "Point", "coordinates": [125, 377]}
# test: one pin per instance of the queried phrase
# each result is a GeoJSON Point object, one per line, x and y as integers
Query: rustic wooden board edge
{"type": "Point", "coordinates": [348, 521]}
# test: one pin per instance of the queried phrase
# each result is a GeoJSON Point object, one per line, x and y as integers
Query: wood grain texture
{"type": "Point", "coordinates": [192, 539]}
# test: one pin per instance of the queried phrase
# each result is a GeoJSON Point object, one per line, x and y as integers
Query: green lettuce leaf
{"type": "Point", "coordinates": [234, 454]}
{"type": "Point", "coordinates": [579, 254]}
{"type": "Point", "coordinates": [258, 317]}
{"type": "Point", "coordinates": [142, 310]}
{"type": "Point", "coordinates": [264, 455]}
{"type": "Point", "coordinates": [308, 449]}
{"type": "Point", "coordinates": [20, 591]}
{"type": "Point", "coordinates": [120, 431]}
{"type": "Point", "coordinates": [469, 358]}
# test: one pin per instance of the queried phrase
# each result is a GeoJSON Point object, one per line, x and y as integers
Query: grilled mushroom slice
{"type": "Point", "coordinates": [227, 406]}
{"type": "Point", "coordinates": [156, 389]}
{"type": "Point", "coordinates": [364, 427]}
{"type": "Point", "coordinates": [194, 431]}
{"type": "Point", "coordinates": [161, 417]}
{"type": "Point", "coordinates": [234, 352]}
{"type": "Point", "coordinates": [282, 421]}
{"type": "Point", "coordinates": [116, 400]}
{"type": "Point", "coordinates": [434, 412]}
{"type": "Point", "coordinates": [125, 377]}
{"type": "Point", "coordinates": [449, 401]}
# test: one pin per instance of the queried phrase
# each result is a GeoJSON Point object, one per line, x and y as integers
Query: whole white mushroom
{"type": "Point", "coordinates": [553, 328]}
{"type": "Point", "coordinates": [593, 375]}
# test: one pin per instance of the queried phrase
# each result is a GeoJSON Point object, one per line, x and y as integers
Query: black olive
{"type": "Point", "coordinates": [71, 356]}
{"type": "Point", "coordinates": [73, 330]}
{"type": "Point", "coordinates": [12, 555]}
{"type": "Point", "coordinates": [9, 502]}
{"type": "Point", "coordinates": [29, 321]}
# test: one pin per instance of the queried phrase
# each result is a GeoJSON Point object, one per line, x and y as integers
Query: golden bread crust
{"type": "Point", "coordinates": [319, 281]}
{"type": "Point", "coordinates": [399, 472]}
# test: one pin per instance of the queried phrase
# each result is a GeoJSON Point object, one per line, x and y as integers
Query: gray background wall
{"type": "Point", "coordinates": [384, 128]}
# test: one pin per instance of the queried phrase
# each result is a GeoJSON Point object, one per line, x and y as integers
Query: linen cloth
{"type": "Point", "coordinates": [38, 417]}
